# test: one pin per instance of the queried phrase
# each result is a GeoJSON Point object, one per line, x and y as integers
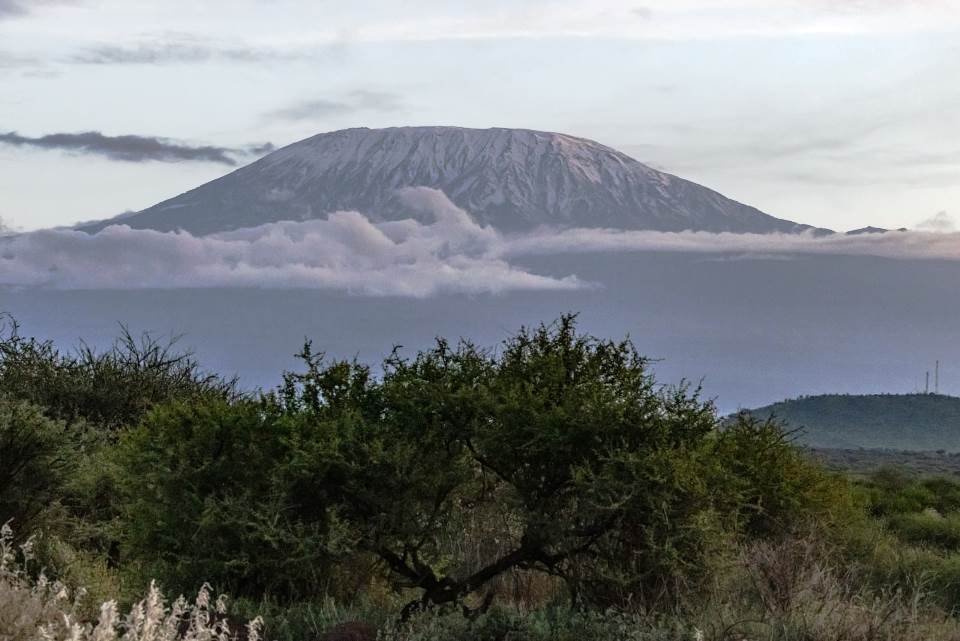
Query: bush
{"type": "Point", "coordinates": [210, 492]}
{"type": "Point", "coordinates": [928, 527]}
{"type": "Point", "coordinates": [108, 389]}
{"type": "Point", "coordinates": [36, 455]}
{"type": "Point", "coordinates": [771, 485]}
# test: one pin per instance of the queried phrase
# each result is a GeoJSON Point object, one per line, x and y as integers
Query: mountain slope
{"type": "Point", "coordinates": [892, 421]}
{"type": "Point", "coordinates": [512, 179]}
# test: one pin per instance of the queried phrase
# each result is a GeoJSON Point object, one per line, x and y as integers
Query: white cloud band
{"type": "Point", "coordinates": [404, 258]}
{"type": "Point", "coordinates": [344, 252]}
{"type": "Point", "coordinates": [897, 245]}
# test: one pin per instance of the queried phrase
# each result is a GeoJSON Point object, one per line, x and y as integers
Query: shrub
{"type": "Point", "coordinates": [889, 492]}
{"type": "Point", "coordinates": [771, 485]}
{"type": "Point", "coordinates": [928, 527]}
{"type": "Point", "coordinates": [211, 492]}
{"type": "Point", "coordinates": [946, 492]}
{"type": "Point", "coordinates": [36, 454]}
{"type": "Point", "coordinates": [109, 389]}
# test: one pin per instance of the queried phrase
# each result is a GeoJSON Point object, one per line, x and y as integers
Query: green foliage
{"type": "Point", "coordinates": [222, 492]}
{"type": "Point", "coordinates": [928, 527]}
{"type": "Point", "coordinates": [918, 538]}
{"type": "Point", "coordinates": [547, 625]}
{"type": "Point", "coordinates": [36, 456]}
{"type": "Point", "coordinates": [890, 492]}
{"type": "Point", "coordinates": [864, 463]}
{"type": "Point", "coordinates": [623, 489]}
{"type": "Point", "coordinates": [564, 437]}
{"type": "Point", "coordinates": [772, 485]}
{"type": "Point", "coordinates": [600, 477]}
{"type": "Point", "coordinates": [109, 389]}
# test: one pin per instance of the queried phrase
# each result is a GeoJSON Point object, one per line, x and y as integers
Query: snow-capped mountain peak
{"type": "Point", "coordinates": [511, 179]}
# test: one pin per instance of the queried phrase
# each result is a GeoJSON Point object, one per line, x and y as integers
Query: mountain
{"type": "Point", "coordinates": [890, 421]}
{"type": "Point", "coordinates": [872, 230]}
{"type": "Point", "coordinates": [511, 179]}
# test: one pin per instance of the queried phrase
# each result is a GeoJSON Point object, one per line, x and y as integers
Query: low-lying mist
{"type": "Point", "coordinates": [439, 250]}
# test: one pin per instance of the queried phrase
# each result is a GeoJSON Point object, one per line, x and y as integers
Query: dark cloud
{"type": "Point", "coordinates": [261, 149]}
{"type": "Point", "coordinates": [161, 53]}
{"type": "Point", "coordinates": [12, 8]}
{"type": "Point", "coordinates": [356, 101]}
{"type": "Point", "coordinates": [186, 49]}
{"type": "Point", "coordinates": [132, 148]}
{"type": "Point", "coordinates": [17, 8]}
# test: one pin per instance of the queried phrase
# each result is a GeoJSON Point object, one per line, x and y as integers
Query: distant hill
{"type": "Point", "coordinates": [890, 421]}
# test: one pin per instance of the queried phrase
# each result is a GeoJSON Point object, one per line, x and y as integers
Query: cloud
{"type": "Point", "coordinates": [260, 149]}
{"type": "Point", "coordinates": [866, 6]}
{"type": "Point", "coordinates": [11, 61]}
{"type": "Point", "coordinates": [664, 19]}
{"type": "Point", "coordinates": [17, 8]}
{"type": "Point", "coordinates": [132, 148]}
{"type": "Point", "coordinates": [941, 223]}
{"type": "Point", "coordinates": [11, 8]}
{"type": "Point", "coordinates": [344, 252]}
{"type": "Point", "coordinates": [449, 254]}
{"type": "Point", "coordinates": [178, 48]}
{"type": "Point", "coordinates": [354, 102]}
{"type": "Point", "coordinates": [894, 245]}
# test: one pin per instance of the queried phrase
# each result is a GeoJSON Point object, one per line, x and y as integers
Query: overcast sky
{"type": "Point", "coordinates": [836, 113]}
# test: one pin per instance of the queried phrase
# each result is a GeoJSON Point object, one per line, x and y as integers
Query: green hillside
{"type": "Point", "coordinates": [894, 421]}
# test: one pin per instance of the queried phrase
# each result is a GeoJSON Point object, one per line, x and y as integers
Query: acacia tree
{"type": "Point", "coordinates": [591, 471]}
{"type": "Point", "coordinates": [565, 436]}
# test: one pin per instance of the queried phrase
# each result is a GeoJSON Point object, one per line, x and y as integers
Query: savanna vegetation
{"type": "Point", "coordinates": [546, 489]}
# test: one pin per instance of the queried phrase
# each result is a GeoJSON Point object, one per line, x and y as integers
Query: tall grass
{"type": "Point", "coordinates": [773, 591]}
{"type": "Point", "coordinates": [34, 608]}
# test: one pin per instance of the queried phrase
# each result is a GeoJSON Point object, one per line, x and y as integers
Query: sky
{"type": "Point", "coordinates": [835, 113]}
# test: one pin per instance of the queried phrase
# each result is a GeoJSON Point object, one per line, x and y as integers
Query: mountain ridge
{"type": "Point", "coordinates": [511, 179]}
